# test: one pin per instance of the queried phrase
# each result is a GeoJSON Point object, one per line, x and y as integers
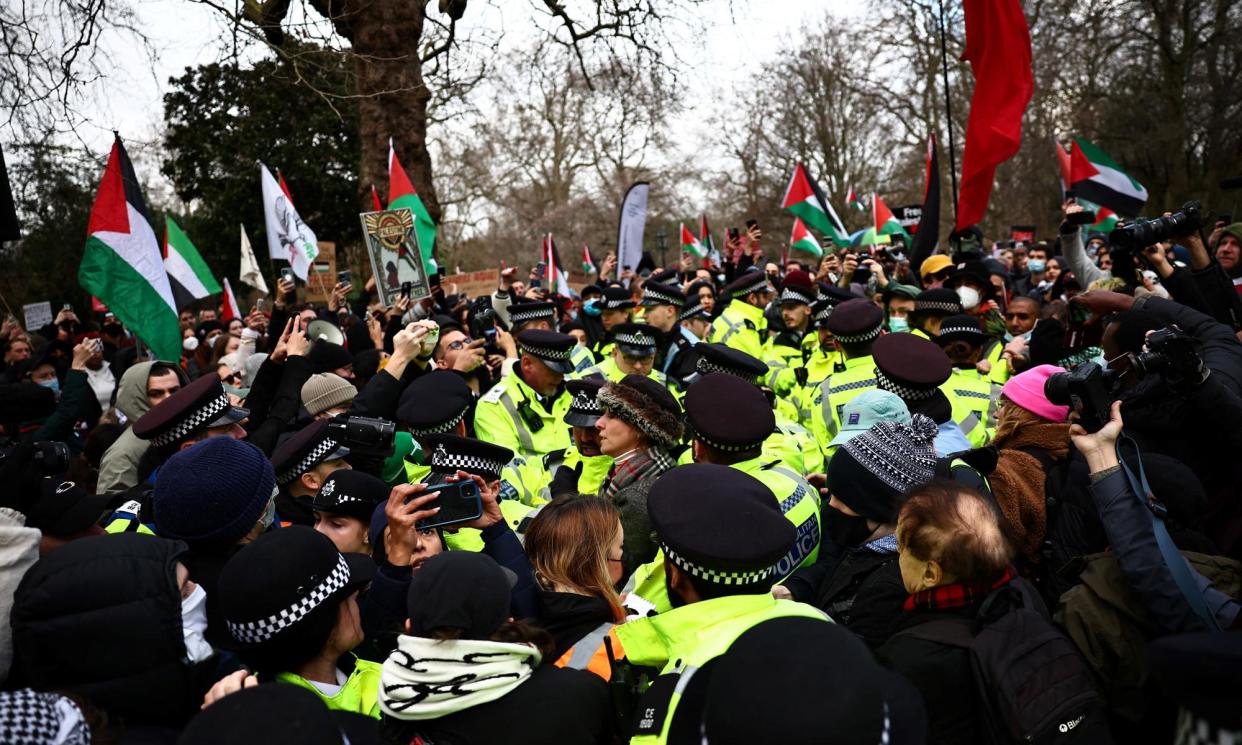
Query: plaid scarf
{"type": "Point", "coordinates": [955, 595]}
{"type": "Point", "coordinates": [651, 462]}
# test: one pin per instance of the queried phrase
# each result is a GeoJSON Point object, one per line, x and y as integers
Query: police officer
{"type": "Point", "coordinates": [790, 348]}
{"type": "Point", "coordinates": [972, 393]}
{"type": "Point", "coordinates": [915, 370]}
{"type": "Point", "coordinates": [662, 305]}
{"type": "Point", "coordinates": [694, 325]}
{"type": "Point", "coordinates": [525, 411]}
{"type": "Point", "coordinates": [448, 454]}
{"type": "Point", "coordinates": [343, 508]}
{"type": "Point", "coordinates": [821, 357]}
{"type": "Point", "coordinates": [729, 420]}
{"type": "Point", "coordinates": [615, 306]}
{"type": "Point", "coordinates": [585, 467]}
{"type": "Point", "coordinates": [303, 461]}
{"type": "Point", "coordinates": [930, 308]}
{"type": "Point", "coordinates": [542, 315]}
{"type": "Point", "coordinates": [742, 325]}
{"type": "Point", "coordinates": [722, 536]}
{"type": "Point", "coordinates": [855, 325]}
{"type": "Point", "coordinates": [438, 403]}
{"type": "Point", "coordinates": [634, 353]}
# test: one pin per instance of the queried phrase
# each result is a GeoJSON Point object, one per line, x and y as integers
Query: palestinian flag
{"type": "Point", "coordinates": [854, 201]}
{"type": "Point", "coordinates": [690, 244]}
{"type": "Point", "coordinates": [187, 272]}
{"type": "Point", "coordinates": [1096, 177]}
{"type": "Point", "coordinates": [121, 264]}
{"type": "Point", "coordinates": [802, 240]}
{"type": "Point", "coordinates": [885, 223]}
{"type": "Point", "coordinates": [1106, 219]}
{"type": "Point", "coordinates": [401, 194]}
{"type": "Point", "coordinates": [588, 266]}
{"type": "Point", "coordinates": [376, 206]}
{"type": "Point", "coordinates": [554, 275]}
{"type": "Point", "coordinates": [229, 309]}
{"type": "Point", "coordinates": [806, 201]}
{"type": "Point", "coordinates": [705, 237]}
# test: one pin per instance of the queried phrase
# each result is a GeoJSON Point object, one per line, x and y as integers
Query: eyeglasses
{"type": "Point", "coordinates": [943, 274]}
{"type": "Point", "coordinates": [460, 343]}
{"type": "Point", "coordinates": [233, 378]}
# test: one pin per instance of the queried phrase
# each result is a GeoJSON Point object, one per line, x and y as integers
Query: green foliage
{"type": "Point", "coordinates": [222, 121]}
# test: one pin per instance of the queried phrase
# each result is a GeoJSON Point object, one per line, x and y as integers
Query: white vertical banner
{"type": "Point", "coordinates": [288, 237]}
{"type": "Point", "coordinates": [250, 272]}
{"type": "Point", "coordinates": [630, 230]}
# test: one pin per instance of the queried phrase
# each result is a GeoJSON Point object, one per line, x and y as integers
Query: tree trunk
{"type": "Point", "coordinates": [393, 97]}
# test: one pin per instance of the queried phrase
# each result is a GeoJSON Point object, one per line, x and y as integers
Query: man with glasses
{"type": "Point", "coordinates": [935, 270]}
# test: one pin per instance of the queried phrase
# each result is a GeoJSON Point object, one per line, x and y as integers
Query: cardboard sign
{"type": "Point", "coordinates": [37, 315]}
{"type": "Point", "coordinates": [396, 261]}
{"type": "Point", "coordinates": [473, 284]}
{"type": "Point", "coordinates": [321, 278]}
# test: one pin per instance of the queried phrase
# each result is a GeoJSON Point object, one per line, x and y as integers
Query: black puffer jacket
{"type": "Point", "coordinates": [864, 593]}
{"type": "Point", "coordinates": [101, 617]}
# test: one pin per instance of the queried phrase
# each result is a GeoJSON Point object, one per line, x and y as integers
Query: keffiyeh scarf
{"type": "Point", "coordinates": [31, 718]}
{"type": "Point", "coordinates": [428, 679]}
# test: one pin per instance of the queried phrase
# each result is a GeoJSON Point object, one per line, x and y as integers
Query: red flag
{"type": "Point", "coordinates": [998, 47]}
{"type": "Point", "coordinates": [284, 187]}
{"type": "Point", "coordinates": [375, 200]}
{"type": "Point", "coordinates": [1063, 163]}
{"type": "Point", "coordinates": [229, 311]}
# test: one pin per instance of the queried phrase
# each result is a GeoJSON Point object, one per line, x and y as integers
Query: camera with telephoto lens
{"type": "Point", "coordinates": [1143, 233]}
{"type": "Point", "coordinates": [363, 435]}
{"type": "Point", "coordinates": [483, 322]}
{"type": "Point", "coordinates": [1173, 355]}
{"type": "Point", "coordinates": [47, 458]}
{"type": "Point", "coordinates": [1088, 390]}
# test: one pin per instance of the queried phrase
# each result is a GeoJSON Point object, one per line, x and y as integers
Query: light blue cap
{"type": "Point", "coordinates": [866, 409]}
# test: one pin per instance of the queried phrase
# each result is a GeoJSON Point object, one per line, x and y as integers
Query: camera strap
{"type": "Point", "coordinates": [1179, 568]}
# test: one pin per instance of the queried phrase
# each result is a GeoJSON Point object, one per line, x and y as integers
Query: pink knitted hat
{"type": "Point", "coordinates": [1026, 389]}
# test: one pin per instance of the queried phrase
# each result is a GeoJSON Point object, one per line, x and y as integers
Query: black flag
{"type": "Point", "coordinates": [9, 229]}
{"type": "Point", "coordinates": [929, 224]}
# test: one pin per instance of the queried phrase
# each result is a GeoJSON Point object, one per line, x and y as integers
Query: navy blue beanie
{"type": "Point", "coordinates": [213, 493]}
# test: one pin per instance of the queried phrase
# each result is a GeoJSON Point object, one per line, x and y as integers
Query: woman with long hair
{"type": "Point", "coordinates": [575, 547]}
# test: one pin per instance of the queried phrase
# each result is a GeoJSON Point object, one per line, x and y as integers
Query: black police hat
{"type": "Point", "coordinates": [797, 288]}
{"type": "Point", "coordinates": [938, 301]}
{"type": "Point", "coordinates": [728, 413]}
{"type": "Point", "coordinates": [584, 408]}
{"type": "Point", "coordinates": [657, 293]}
{"type": "Point", "coordinates": [435, 402]}
{"type": "Point", "coordinates": [962, 327]}
{"type": "Point", "coordinates": [636, 339]}
{"type": "Point", "coordinates": [447, 454]}
{"type": "Point", "coordinates": [305, 449]}
{"type": "Point", "coordinates": [833, 294]}
{"type": "Point", "coordinates": [716, 357]}
{"type": "Point", "coordinates": [201, 404]}
{"type": "Point", "coordinates": [694, 309]}
{"type": "Point", "coordinates": [750, 281]}
{"type": "Point", "coordinates": [350, 493]}
{"type": "Point", "coordinates": [273, 584]}
{"type": "Point", "coordinates": [910, 367]}
{"type": "Point", "coordinates": [532, 311]}
{"type": "Point", "coordinates": [65, 508]}
{"type": "Point", "coordinates": [664, 276]}
{"type": "Point", "coordinates": [856, 321]}
{"type": "Point", "coordinates": [616, 298]}
{"type": "Point", "coordinates": [720, 525]}
{"type": "Point", "coordinates": [551, 348]}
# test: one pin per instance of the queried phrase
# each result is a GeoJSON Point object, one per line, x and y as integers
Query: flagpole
{"type": "Point", "coordinates": [948, 106]}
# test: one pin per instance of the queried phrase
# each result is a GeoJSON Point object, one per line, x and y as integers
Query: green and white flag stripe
{"type": "Point", "coordinates": [187, 272]}
{"type": "Point", "coordinates": [1097, 177]}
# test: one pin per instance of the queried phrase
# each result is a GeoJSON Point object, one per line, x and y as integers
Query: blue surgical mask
{"type": "Point", "coordinates": [1036, 265]}
{"type": "Point", "coordinates": [898, 324]}
{"type": "Point", "coordinates": [54, 384]}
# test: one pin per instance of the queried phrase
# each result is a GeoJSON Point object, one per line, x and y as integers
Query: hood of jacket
{"type": "Point", "coordinates": [131, 392]}
{"type": "Point", "coordinates": [101, 617]}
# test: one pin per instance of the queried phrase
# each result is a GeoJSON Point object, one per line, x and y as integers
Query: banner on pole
{"type": "Point", "coordinates": [632, 222]}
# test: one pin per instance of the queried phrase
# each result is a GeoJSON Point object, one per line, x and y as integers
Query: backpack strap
{"type": "Point", "coordinates": [1179, 568]}
{"type": "Point", "coordinates": [954, 631]}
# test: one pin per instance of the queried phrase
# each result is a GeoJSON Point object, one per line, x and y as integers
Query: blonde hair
{"type": "Point", "coordinates": [567, 544]}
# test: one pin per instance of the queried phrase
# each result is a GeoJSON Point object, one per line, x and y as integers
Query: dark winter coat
{"type": "Point", "coordinates": [568, 617]}
{"type": "Point", "coordinates": [864, 593]}
{"type": "Point", "coordinates": [567, 707]}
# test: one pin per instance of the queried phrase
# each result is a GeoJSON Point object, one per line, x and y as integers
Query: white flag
{"type": "Point", "coordinates": [288, 238]}
{"type": "Point", "coordinates": [250, 273]}
{"type": "Point", "coordinates": [630, 230]}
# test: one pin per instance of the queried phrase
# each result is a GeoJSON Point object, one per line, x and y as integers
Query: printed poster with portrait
{"type": "Point", "coordinates": [396, 260]}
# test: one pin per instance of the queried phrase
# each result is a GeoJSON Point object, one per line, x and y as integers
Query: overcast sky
{"type": "Point", "coordinates": [186, 34]}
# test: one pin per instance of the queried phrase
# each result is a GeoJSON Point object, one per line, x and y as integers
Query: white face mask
{"type": "Point", "coordinates": [969, 297]}
{"type": "Point", "coordinates": [193, 624]}
{"type": "Point", "coordinates": [190, 343]}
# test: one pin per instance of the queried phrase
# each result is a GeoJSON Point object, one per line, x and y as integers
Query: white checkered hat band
{"type": "Point", "coordinates": [519, 314]}
{"type": "Point", "coordinates": [546, 352]}
{"type": "Point", "coordinates": [790, 295]}
{"type": "Point", "coordinates": [858, 338]}
{"type": "Point", "coordinates": [885, 383]}
{"type": "Point", "coordinates": [585, 403]}
{"type": "Point", "coordinates": [325, 446]}
{"type": "Point", "coordinates": [961, 330]}
{"type": "Point", "coordinates": [617, 303]}
{"type": "Point", "coordinates": [635, 339]}
{"type": "Point", "coordinates": [442, 460]}
{"type": "Point", "coordinates": [691, 311]}
{"type": "Point", "coordinates": [947, 307]}
{"type": "Point", "coordinates": [705, 366]}
{"type": "Point", "coordinates": [257, 632]}
{"type": "Point", "coordinates": [728, 448]}
{"type": "Point", "coordinates": [202, 416]}
{"type": "Point", "coordinates": [759, 285]}
{"type": "Point", "coordinates": [823, 314]}
{"type": "Point", "coordinates": [440, 429]}
{"type": "Point", "coordinates": [653, 293]}
{"type": "Point", "coordinates": [717, 576]}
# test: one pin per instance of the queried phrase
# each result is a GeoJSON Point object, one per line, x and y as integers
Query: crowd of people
{"type": "Point", "coordinates": [987, 495]}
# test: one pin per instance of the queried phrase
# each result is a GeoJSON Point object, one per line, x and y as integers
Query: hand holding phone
{"type": "Point", "coordinates": [456, 502]}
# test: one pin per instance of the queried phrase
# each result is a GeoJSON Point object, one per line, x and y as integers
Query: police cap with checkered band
{"type": "Point", "coordinates": [616, 297]}
{"type": "Point", "coordinates": [856, 321]}
{"type": "Point", "coordinates": [284, 582]}
{"type": "Point", "coordinates": [716, 357]}
{"type": "Point", "coordinates": [350, 493]}
{"type": "Point", "coordinates": [448, 454]}
{"type": "Point", "coordinates": [963, 327]}
{"type": "Point", "coordinates": [305, 449]}
{"type": "Point", "coordinates": [750, 281]}
{"type": "Point", "coordinates": [910, 366]}
{"type": "Point", "coordinates": [720, 525]}
{"type": "Point", "coordinates": [584, 407]}
{"type": "Point", "coordinates": [434, 402]}
{"type": "Point", "coordinates": [797, 289]}
{"type": "Point", "coordinates": [658, 293]}
{"type": "Point", "coordinates": [938, 301]}
{"type": "Point", "coordinates": [636, 339]}
{"type": "Point", "coordinates": [525, 312]}
{"type": "Point", "coordinates": [728, 413]}
{"type": "Point", "coordinates": [549, 347]}
{"type": "Point", "coordinates": [200, 405]}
